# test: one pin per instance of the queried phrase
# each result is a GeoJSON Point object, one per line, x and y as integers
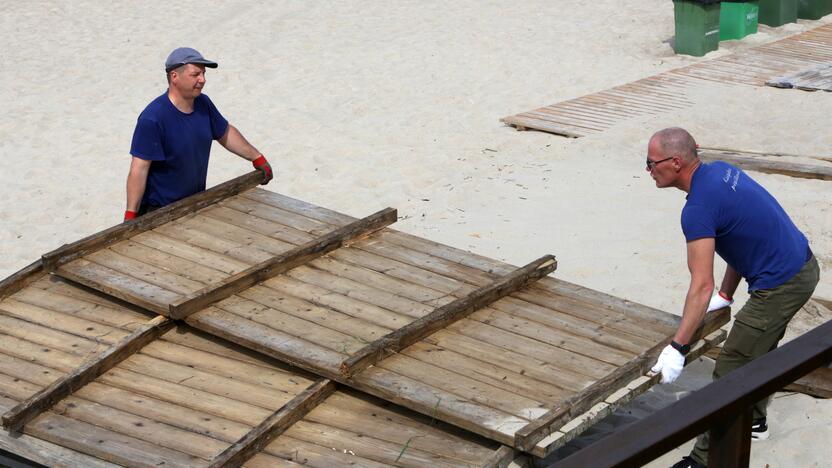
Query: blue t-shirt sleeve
{"type": "Point", "coordinates": [147, 141]}
{"type": "Point", "coordinates": [218, 123]}
{"type": "Point", "coordinates": [697, 222]}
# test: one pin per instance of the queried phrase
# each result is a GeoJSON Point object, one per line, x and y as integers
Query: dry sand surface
{"type": "Point", "coordinates": [362, 105]}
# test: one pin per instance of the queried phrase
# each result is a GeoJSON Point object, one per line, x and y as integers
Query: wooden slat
{"type": "Point", "coordinates": [274, 425]}
{"type": "Point", "coordinates": [304, 454]}
{"type": "Point", "coordinates": [801, 170]}
{"type": "Point", "coordinates": [527, 437]}
{"type": "Point", "coordinates": [445, 315]}
{"type": "Point", "coordinates": [29, 409]}
{"type": "Point", "coordinates": [69, 252]}
{"type": "Point", "coordinates": [101, 443]}
{"type": "Point", "coordinates": [361, 413]}
{"type": "Point", "coordinates": [48, 454]}
{"type": "Point", "coordinates": [367, 446]}
{"type": "Point", "coordinates": [280, 264]}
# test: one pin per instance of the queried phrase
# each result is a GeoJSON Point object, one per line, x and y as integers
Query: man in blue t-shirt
{"type": "Point", "coordinates": [173, 136]}
{"type": "Point", "coordinates": [730, 214]}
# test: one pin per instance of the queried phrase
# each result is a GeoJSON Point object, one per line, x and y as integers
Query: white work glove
{"type": "Point", "coordinates": [670, 364]}
{"type": "Point", "coordinates": [719, 301]}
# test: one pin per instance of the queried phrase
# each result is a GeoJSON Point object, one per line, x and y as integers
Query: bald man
{"type": "Point", "coordinates": [730, 214]}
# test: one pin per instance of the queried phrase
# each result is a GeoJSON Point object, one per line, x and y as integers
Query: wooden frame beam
{"type": "Point", "coordinates": [527, 437]}
{"type": "Point", "coordinates": [265, 432]}
{"type": "Point", "coordinates": [744, 152]}
{"type": "Point", "coordinates": [27, 410]}
{"type": "Point", "coordinates": [399, 339]}
{"type": "Point", "coordinates": [119, 232]}
{"type": "Point", "coordinates": [750, 163]}
{"type": "Point", "coordinates": [272, 267]}
{"type": "Point", "coordinates": [21, 279]}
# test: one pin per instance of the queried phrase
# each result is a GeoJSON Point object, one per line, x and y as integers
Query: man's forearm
{"type": "Point", "coordinates": [135, 190]}
{"type": "Point", "coordinates": [696, 302]}
{"type": "Point", "coordinates": [235, 142]}
{"type": "Point", "coordinates": [730, 282]}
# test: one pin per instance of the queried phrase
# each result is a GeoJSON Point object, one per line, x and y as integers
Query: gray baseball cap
{"type": "Point", "coordinates": [184, 55]}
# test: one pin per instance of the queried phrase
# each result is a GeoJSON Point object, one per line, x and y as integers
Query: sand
{"type": "Point", "coordinates": [362, 105]}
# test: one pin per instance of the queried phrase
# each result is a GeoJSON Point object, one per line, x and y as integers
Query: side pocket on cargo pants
{"type": "Point", "coordinates": [748, 337]}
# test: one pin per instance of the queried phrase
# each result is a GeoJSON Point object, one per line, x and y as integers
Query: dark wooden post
{"type": "Point", "coordinates": [730, 441]}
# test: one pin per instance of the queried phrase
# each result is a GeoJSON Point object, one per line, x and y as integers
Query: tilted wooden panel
{"type": "Point", "coordinates": [182, 400]}
{"type": "Point", "coordinates": [813, 78]}
{"type": "Point", "coordinates": [667, 91]}
{"type": "Point", "coordinates": [494, 372]}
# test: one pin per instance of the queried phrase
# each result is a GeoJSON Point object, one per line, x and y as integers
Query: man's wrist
{"type": "Point", "coordinates": [682, 348]}
{"type": "Point", "coordinates": [725, 296]}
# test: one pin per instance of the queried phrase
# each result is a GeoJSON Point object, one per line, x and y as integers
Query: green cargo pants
{"type": "Point", "coordinates": [757, 329]}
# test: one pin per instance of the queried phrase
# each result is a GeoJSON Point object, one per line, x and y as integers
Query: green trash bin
{"type": "Point", "coordinates": [813, 9]}
{"type": "Point", "coordinates": [778, 12]}
{"type": "Point", "coordinates": [697, 26]}
{"type": "Point", "coordinates": [738, 19]}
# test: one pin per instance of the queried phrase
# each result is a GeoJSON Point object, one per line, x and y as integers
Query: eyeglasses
{"type": "Point", "coordinates": [653, 164]}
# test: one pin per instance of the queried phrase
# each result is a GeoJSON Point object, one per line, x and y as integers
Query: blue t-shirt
{"type": "Point", "coordinates": [179, 145]}
{"type": "Point", "coordinates": [752, 232]}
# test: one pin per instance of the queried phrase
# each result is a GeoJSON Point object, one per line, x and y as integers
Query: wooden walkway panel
{"type": "Point", "coordinates": [181, 401]}
{"type": "Point", "coordinates": [800, 61]}
{"type": "Point", "coordinates": [502, 371]}
{"type": "Point", "coordinates": [318, 315]}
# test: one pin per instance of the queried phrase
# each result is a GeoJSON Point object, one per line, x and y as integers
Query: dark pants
{"type": "Point", "coordinates": [757, 329]}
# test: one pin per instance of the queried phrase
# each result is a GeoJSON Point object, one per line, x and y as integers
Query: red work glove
{"type": "Point", "coordinates": [262, 165]}
{"type": "Point", "coordinates": [128, 215]}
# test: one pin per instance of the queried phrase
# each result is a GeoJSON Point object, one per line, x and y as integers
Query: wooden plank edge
{"type": "Point", "coordinates": [824, 302]}
{"type": "Point", "coordinates": [282, 263]}
{"type": "Point", "coordinates": [68, 252]}
{"type": "Point", "coordinates": [500, 458]}
{"type": "Point", "coordinates": [522, 124]}
{"type": "Point", "coordinates": [25, 411]}
{"type": "Point", "coordinates": [279, 421]}
{"type": "Point", "coordinates": [399, 339]}
{"type": "Point", "coordinates": [799, 170]}
{"type": "Point", "coordinates": [22, 278]}
{"type": "Point", "coordinates": [527, 437]}
{"type": "Point", "coordinates": [630, 391]}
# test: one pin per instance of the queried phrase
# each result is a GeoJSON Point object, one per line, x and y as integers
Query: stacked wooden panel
{"type": "Point", "coordinates": [667, 91]}
{"type": "Point", "coordinates": [513, 371]}
{"type": "Point", "coordinates": [814, 78]}
{"type": "Point", "coordinates": [186, 397]}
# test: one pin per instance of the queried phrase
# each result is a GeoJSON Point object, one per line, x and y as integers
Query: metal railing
{"type": "Point", "coordinates": [723, 407]}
